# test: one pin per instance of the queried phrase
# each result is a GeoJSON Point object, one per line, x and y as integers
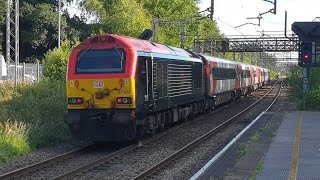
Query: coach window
{"type": "Point", "coordinates": [233, 74]}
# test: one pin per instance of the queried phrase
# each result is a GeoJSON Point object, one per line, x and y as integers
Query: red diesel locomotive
{"type": "Point", "coordinates": [119, 87]}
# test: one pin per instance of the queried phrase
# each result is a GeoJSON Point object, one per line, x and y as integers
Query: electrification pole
{"type": "Point", "coordinates": [156, 22]}
{"type": "Point", "coordinates": [182, 34]}
{"type": "Point", "coordinates": [12, 38]}
{"type": "Point", "coordinates": [212, 9]}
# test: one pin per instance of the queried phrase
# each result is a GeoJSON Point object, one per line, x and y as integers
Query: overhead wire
{"type": "Point", "coordinates": [218, 19]}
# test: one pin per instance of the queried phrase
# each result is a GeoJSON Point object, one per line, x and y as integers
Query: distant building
{"type": "Point", "coordinates": [3, 67]}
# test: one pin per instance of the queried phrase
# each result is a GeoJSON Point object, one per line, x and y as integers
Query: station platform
{"type": "Point", "coordinates": [290, 150]}
{"type": "Point", "coordinates": [295, 150]}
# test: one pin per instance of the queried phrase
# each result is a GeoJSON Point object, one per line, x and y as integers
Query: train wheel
{"type": "Point", "coordinates": [131, 131]}
{"type": "Point", "coordinates": [152, 125]}
{"type": "Point", "coordinates": [169, 118]}
{"type": "Point", "coordinates": [152, 132]}
{"type": "Point", "coordinates": [74, 129]}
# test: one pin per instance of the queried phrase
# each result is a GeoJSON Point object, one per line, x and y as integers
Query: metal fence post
{"type": "Point", "coordinates": [38, 71]}
{"type": "Point", "coordinates": [23, 72]}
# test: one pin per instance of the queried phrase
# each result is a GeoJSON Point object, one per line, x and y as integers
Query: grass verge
{"type": "Point", "coordinates": [31, 116]}
{"type": "Point", "coordinates": [257, 170]}
{"type": "Point", "coordinates": [244, 149]}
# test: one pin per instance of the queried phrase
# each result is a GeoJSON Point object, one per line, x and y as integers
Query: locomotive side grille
{"type": "Point", "coordinates": [179, 79]}
{"type": "Point", "coordinates": [165, 80]}
{"type": "Point", "coordinates": [155, 79]}
{"type": "Point", "coordinates": [149, 80]}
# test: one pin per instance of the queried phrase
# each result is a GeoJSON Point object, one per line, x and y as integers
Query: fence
{"type": "Point", "coordinates": [26, 73]}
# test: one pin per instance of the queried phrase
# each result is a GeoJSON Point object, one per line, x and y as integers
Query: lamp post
{"type": "Point", "coordinates": [59, 28]}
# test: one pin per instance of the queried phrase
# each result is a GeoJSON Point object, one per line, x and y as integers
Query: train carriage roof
{"type": "Point", "coordinates": [219, 60]}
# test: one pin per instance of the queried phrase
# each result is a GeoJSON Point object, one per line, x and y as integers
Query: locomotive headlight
{"type": "Point", "coordinates": [124, 100]}
{"type": "Point", "coordinates": [76, 100]}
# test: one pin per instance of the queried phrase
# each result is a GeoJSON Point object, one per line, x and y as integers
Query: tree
{"type": "Point", "coordinates": [38, 28]}
{"type": "Point", "coordinates": [77, 29]}
{"type": "Point", "coordinates": [119, 17]}
{"type": "Point", "coordinates": [56, 60]}
{"type": "Point", "coordinates": [180, 10]}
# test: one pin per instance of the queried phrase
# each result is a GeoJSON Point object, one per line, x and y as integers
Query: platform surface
{"type": "Point", "coordinates": [295, 150]}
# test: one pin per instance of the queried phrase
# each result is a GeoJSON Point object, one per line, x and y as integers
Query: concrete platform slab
{"type": "Point", "coordinates": [295, 151]}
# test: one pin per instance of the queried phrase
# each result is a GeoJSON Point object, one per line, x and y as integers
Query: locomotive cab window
{"type": "Point", "coordinates": [101, 61]}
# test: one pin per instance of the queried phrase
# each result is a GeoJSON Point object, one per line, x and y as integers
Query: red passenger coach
{"type": "Point", "coordinates": [223, 81]}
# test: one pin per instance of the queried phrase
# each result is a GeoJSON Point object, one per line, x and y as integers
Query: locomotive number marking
{"type": "Point", "coordinates": [124, 91]}
{"type": "Point", "coordinates": [98, 84]}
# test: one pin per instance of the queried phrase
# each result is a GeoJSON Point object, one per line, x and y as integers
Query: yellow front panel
{"type": "Point", "coordinates": [88, 88]}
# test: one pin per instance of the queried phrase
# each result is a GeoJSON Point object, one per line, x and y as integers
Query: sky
{"type": "Point", "coordinates": [231, 13]}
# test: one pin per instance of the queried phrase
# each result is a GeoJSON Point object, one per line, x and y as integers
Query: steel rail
{"type": "Point", "coordinates": [106, 159]}
{"type": "Point", "coordinates": [194, 143]}
{"type": "Point", "coordinates": [43, 164]}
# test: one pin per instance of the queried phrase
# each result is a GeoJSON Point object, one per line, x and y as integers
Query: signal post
{"type": "Point", "coordinates": [309, 37]}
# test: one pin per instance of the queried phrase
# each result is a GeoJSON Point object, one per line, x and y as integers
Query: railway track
{"type": "Point", "coordinates": [100, 162]}
{"type": "Point", "coordinates": [26, 171]}
{"type": "Point", "coordinates": [154, 170]}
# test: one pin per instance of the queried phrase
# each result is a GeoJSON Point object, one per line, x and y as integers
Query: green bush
{"type": "Point", "coordinates": [313, 99]}
{"type": "Point", "coordinates": [39, 107]}
{"type": "Point", "coordinates": [313, 94]}
{"type": "Point", "coordinates": [273, 74]}
{"type": "Point", "coordinates": [13, 140]}
{"type": "Point", "coordinates": [55, 62]}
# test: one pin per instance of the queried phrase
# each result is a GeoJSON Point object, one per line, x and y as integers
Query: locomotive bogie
{"type": "Point", "coordinates": [102, 124]}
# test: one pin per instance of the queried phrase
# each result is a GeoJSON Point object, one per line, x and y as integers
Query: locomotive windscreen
{"type": "Point", "coordinates": [100, 61]}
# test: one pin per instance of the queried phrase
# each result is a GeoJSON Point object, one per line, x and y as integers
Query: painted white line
{"type": "Point", "coordinates": [217, 156]}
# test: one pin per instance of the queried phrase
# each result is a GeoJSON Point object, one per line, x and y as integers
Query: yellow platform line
{"type": "Point", "coordinates": [295, 154]}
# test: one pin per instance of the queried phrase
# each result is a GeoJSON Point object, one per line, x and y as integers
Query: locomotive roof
{"type": "Point", "coordinates": [139, 45]}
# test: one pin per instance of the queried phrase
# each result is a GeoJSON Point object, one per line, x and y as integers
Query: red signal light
{"type": "Point", "coordinates": [306, 56]}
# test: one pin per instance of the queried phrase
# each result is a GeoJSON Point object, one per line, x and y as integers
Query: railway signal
{"type": "Point", "coordinates": [305, 53]}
